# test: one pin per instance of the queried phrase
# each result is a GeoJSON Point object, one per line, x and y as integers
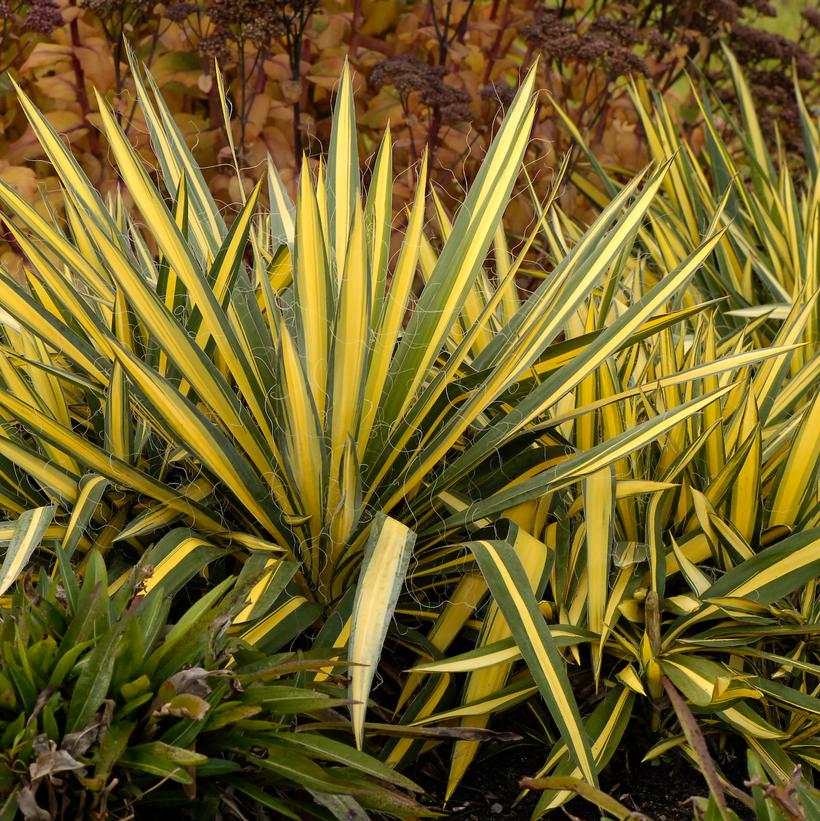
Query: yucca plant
{"type": "Point", "coordinates": [696, 560]}
{"type": "Point", "coordinates": [396, 449]}
{"type": "Point", "coordinates": [664, 568]}
{"type": "Point", "coordinates": [119, 698]}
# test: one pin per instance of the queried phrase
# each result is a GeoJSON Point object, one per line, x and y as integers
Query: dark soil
{"type": "Point", "coordinates": [661, 791]}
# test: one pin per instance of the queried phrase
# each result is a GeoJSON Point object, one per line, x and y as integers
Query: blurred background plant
{"type": "Point", "coordinates": [440, 72]}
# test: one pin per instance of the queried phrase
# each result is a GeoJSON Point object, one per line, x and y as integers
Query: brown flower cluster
{"type": "Point", "coordinates": [752, 46]}
{"type": "Point", "coordinates": [179, 12]}
{"type": "Point", "coordinates": [502, 93]}
{"type": "Point", "coordinates": [258, 21]}
{"type": "Point", "coordinates": [812, 17]}
{"type": "Point", "coordinates": [43, 17]}
{"type": "Point", "coordinates": [408, 74]}
{"type": "Point", "coordinates": [606, 44]}
{"type": "Point", "coordinates": [662, 39]}
{"type": "Point", "coordinates": [105, 9]}
{"type": "Point", "coordinates": [214, 47]}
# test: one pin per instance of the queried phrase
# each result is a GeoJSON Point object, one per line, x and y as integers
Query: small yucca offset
{"type": "Point", "coordinates": [286, 390]}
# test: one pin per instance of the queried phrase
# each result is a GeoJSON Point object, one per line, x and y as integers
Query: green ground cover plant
{"type": "Point", "coordinates": [111, 703]}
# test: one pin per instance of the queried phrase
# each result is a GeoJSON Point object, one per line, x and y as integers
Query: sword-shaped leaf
{"type": "Point", "coordinates": [386, 556]}
{"type": "Point", "coordinates": [510, 587]}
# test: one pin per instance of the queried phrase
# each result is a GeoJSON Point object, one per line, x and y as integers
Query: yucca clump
{"type": "Point", "coordinates": [705, 579]}
{"type": "Point", "coordinates": [421, 465]}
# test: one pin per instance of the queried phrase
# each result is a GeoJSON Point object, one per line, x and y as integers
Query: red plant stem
{"type": "Point", "coordinates": [243, 94]}
{"type": "Point", "coordinates": [259, 85]}
{"type": "Point", "coordinates": [79, 79]}
{"type": "Point", "coordinates": [354, 27]}
{"type": "Point", "coordinates": [432, 134]}
{"type": "Point", "coordinates": [492, 55]}
{"type": "Point", "coordinates": [298, 50]}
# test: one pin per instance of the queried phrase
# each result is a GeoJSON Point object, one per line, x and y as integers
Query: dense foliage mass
{"type": "Point", "coordinates": [108, 705]}
{"type": "Point", "coordinates": [439, 72]}
{"type": "Point", "coordinates": [301, 491]}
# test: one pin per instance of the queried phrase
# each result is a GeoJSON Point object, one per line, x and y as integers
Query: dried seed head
{"type": "Point", "coordinates": [43, 17]}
